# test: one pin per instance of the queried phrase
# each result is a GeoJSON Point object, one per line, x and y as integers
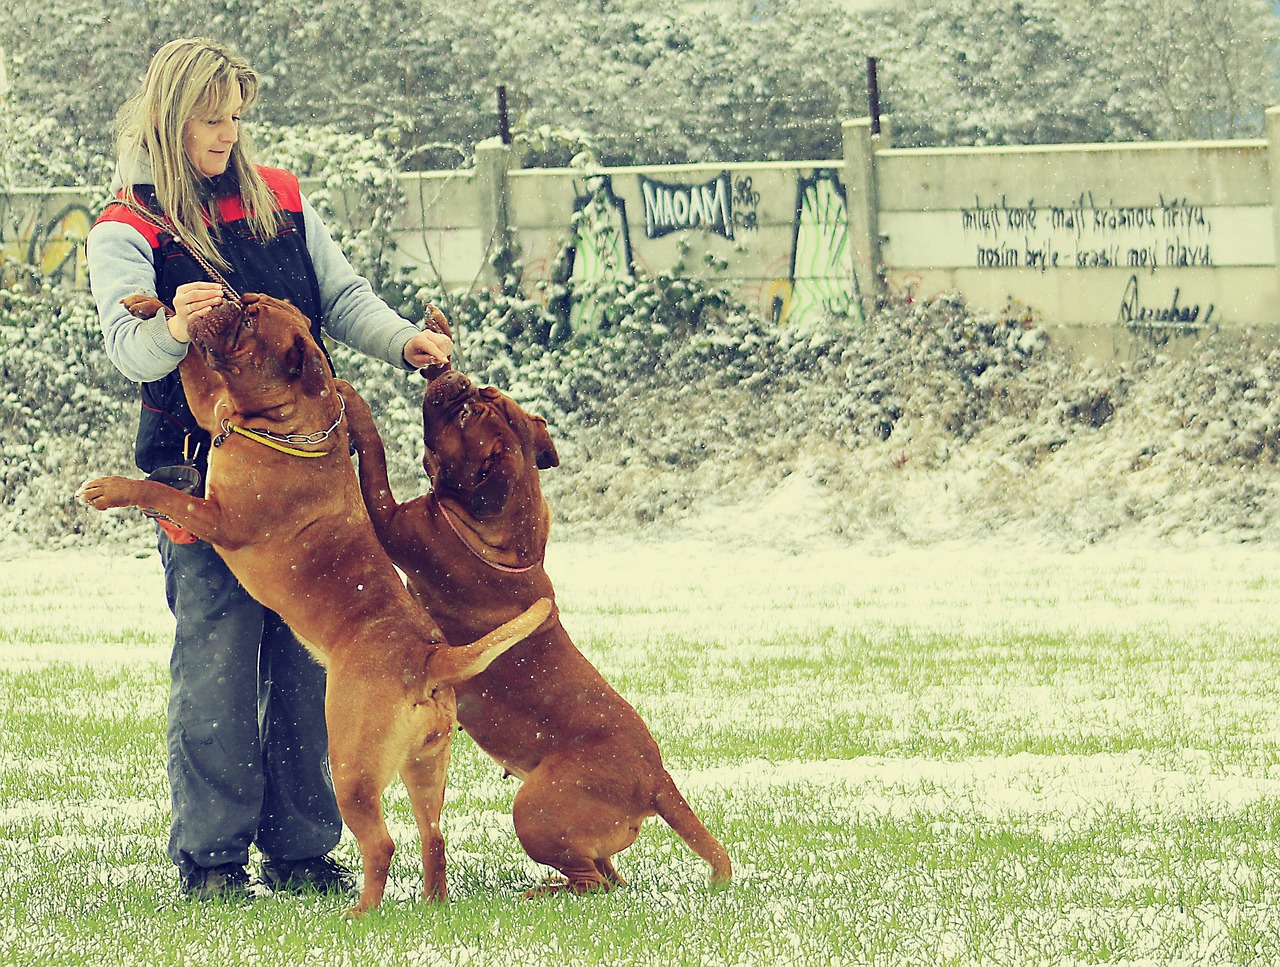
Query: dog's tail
{"type": "Point", "coordinates": [679, 815]}
{"type": "Point", "coordinates": [451, 665]}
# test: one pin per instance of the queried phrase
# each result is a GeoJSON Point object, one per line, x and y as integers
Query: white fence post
{"type": "Point", "coordinates": [863, 202]}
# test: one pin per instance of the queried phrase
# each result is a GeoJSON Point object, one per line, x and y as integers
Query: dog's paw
{"type": "Point", "coordinates": [103, 493]}
{"type": "Point", "coordinates": [557, 885]}
{"type": "Point", "coordinates": [435, 320]}
{"type": "Point", "coordinates": [144, 306]}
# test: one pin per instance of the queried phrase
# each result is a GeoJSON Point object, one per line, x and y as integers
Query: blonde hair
{"type": "Point", "coordinates": [189, 79]}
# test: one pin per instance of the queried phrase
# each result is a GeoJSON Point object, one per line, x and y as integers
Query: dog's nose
{"type": "Point", "coordinates": [219, 331]}
{"type": "Point", "coordinates": [450, 389]}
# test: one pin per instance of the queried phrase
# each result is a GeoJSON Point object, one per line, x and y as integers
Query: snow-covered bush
{"type": "Point", "coordinates": [38, 152]}
{"type": "Point", "coordinates": [668, 81]}
{"type": "Point", "coordinates": [66, 415]}
{"type": "Point", "coordinates": [359, 198]}
{"type": "Point", "coordinates": [929, 420]}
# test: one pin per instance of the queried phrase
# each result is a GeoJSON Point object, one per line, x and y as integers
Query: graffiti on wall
{"type": "Point", "coordinates": [54, 245]}
{"type": "Point", "coordinates": [1158, 321]}
{"type": "Point", "coordinates": [746, 204]}
{"type": "Point", "coordinates": [822, 279]}
{"type": "Point", "coordinates": [680, 208]}
{"type": "Point", "coordinates": [814, 273]}
{"type": "Point", "coordinates": [599, 250]}
{"type": "Point", "coordinates": [1085, 235]}
{"type": "Point", "coordinates": [1144, 240]}
{"type": "Point", "coordinates": [819, 279]}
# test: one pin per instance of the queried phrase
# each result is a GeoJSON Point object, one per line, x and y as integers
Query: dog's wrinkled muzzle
{"type": "Point", "coordinates": [218, 334]}
{"type": "Point", "coordinates": [449, 392]}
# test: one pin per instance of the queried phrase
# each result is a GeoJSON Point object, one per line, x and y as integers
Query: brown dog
{"type": "Point", "coordinates": [284, 510]}
{"type": "Point", "coordinates": [472, 550]}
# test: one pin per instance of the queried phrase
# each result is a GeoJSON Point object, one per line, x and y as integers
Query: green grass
{"type": "Point", "coordinates": [895, 785]}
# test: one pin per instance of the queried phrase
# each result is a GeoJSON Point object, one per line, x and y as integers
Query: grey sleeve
{"type": "Point", "coordinates": [353, 313]}
{"type": "Point", "coordinates": [120, 264]}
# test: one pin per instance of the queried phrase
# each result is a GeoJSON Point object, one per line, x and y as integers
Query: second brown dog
{"type": "Point", "coordinates": [472, 550]}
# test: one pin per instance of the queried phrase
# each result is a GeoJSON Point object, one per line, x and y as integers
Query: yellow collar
{"type": "Point", "coordinates": [280, 442]}
{"type": "Point", "coordinates": [229, 427]}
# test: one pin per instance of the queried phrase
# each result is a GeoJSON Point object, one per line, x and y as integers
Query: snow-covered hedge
{"type": "Point", "coordinates": [65, 414]}
{"type": "Point", "coordinates": [930, 421]}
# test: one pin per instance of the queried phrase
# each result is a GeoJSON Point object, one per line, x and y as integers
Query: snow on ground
{"type": "Point", "coordinates": [750, 585]}
{"type": "Point", "coordinates": [749, 559]}
{"type": "Point", "coordinates": [734, 596]}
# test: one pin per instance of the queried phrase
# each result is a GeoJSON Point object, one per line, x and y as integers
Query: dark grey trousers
{"type": "Point", "coordinates": [248, 749]}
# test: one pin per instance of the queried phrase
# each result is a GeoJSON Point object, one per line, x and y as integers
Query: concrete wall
{"type": "Point", "coordinates": [1105, 242]}
{"type": "Point", "coordinates": [1157, 240]}
{"type": "Point", "coordinates": [45, 227]}
{"type": "Point", "coordinates": [782, 228]}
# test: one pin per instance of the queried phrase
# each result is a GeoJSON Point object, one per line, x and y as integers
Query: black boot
{"type": "Point", "coordinates": [319, 873]}
{"type": "Point", "coordinates": [227, 882]}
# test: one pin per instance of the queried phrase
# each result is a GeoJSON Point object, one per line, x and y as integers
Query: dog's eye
{"type": "Point", "coordinates": [482, 474]}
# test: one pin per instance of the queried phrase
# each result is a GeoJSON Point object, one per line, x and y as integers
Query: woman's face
{"type": "Point", "coordinates": [208, 139]}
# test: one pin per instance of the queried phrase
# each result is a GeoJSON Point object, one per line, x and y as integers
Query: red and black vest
{"type": "Point", "coordinates": [279, 266]}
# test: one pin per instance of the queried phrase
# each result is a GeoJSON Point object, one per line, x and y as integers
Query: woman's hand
{"type": "Point", "coordinates": [427, 348]}
{"type": "Point", "coordinates": [191, 301]}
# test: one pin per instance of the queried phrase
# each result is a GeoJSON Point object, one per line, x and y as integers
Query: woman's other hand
{"type": "Point", "coordinates": [427, 349]}
{"type": "Point", "coordinates": [191, 301]}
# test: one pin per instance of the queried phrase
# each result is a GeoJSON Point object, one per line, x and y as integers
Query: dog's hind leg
{"type": "Point", "coordinates": [360, 801]}
{"type": "Point", "coordinates": [605, 866]}
{"type": "Point", "coordinates": [575, 834]}
{"type": "Point", "coordinates": [360, 733]}
{"type": "Point", "coordinates": [423, 774]}
{"type": "Point", "coordinates": [580, 879]}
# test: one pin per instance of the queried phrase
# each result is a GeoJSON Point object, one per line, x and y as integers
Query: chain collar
{"type": "Point", "coordinates": [284, 442]}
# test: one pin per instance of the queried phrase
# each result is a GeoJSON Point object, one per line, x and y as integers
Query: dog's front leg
{"type": "Point", "coordinates": [145, 306]}
{"type": "Point", "coordinates": [200, 516]}
{"type": "Point", "coordinates": [375, 484]}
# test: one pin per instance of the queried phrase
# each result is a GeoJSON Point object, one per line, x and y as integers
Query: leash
{"type": "Point", "coordinates": [506, 568]}
{"type": "Point", "coordinates": [282, 442]}
{"type": "Point", "coordinates": [276, 441]}
{"type": "Point", "coordinates": [166, 225]}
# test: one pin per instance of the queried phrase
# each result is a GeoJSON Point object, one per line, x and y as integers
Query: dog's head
{"type": "Point", "coordinates": [263, 350]}
{"type": "Point", "coordinates": [480, 445]}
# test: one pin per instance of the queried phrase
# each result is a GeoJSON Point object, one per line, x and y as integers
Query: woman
{"type": "Point", "coordinates": [246, 735]}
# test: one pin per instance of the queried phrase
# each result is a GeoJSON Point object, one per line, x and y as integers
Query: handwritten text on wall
{"type": "Point", "coordinates": [1086, 235]}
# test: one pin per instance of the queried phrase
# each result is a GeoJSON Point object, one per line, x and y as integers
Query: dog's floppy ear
{"type": "Point", "coordinates": [545, 449]}
{"type": "Point", "coordinates": [303, 360]}
{"type": "Point", "coordinates": [431, 464]}
{"type": "Point", "coordinates": [294, 358]}
{"type": "Point", "coordinates": [531, 429]}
